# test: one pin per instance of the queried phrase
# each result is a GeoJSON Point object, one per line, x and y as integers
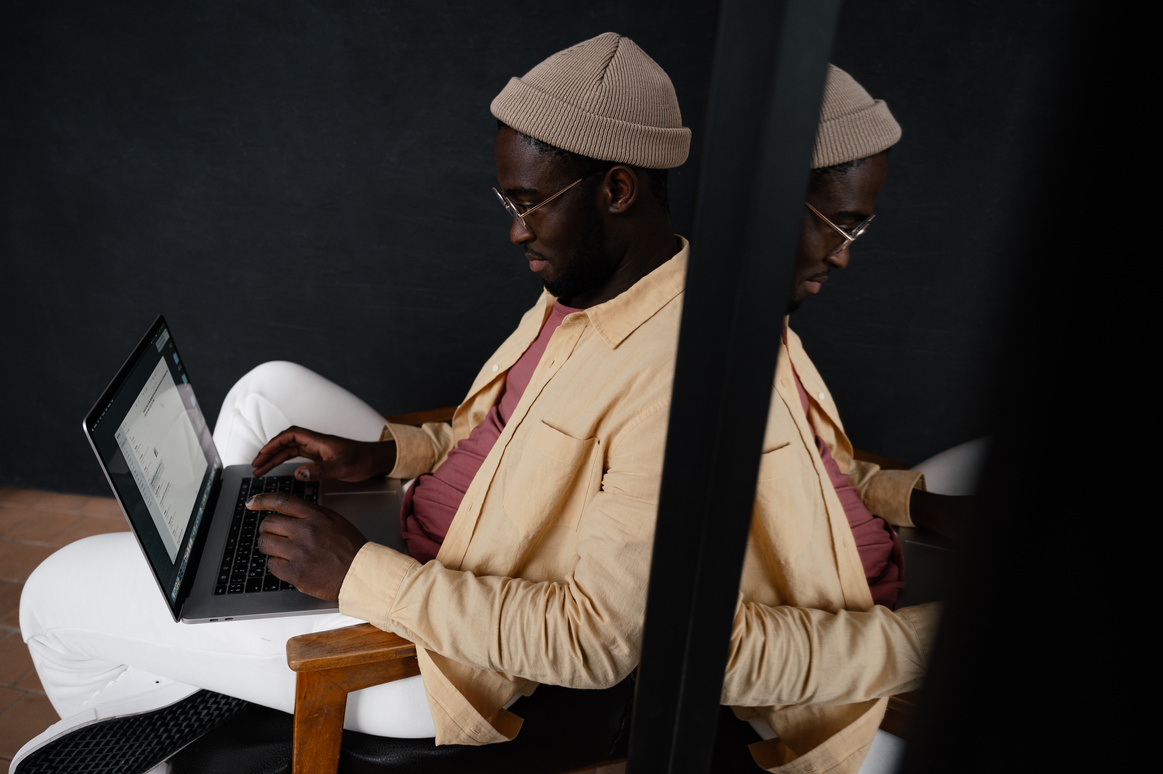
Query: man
{"type": "Point", "coordinates": [541, 559]}
{"type": "Point", "coordinates": [540, 514]}
{"type": "Point", "coordinates": [816, 647]}
{"type": "Point", "coordinates": [807, 632]}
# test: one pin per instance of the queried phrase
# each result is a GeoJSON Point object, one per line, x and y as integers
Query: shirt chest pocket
{"type": "Point", "coordinates": [787, 496]}
{"type": "Point", "coordinates": [554, 476]}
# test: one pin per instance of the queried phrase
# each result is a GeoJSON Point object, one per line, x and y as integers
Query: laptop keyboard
{"type": "Point", "coordinates": [243, 569]}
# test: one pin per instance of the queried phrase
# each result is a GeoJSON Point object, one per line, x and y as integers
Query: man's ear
{"type": "Point", "coordinates": [621, 188]}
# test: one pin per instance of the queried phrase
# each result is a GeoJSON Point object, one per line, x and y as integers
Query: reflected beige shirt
{"type": "Point", "coordinates": [809, 651]}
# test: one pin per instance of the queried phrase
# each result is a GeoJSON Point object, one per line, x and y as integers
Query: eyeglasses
{"type": "Point", "coordinates": [520, 216]}
{"type": "Point", "coordinates": [850, 235]}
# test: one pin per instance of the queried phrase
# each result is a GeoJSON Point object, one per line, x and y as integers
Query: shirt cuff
{"type": "Point", "coordinates": [889, 492]}
{"type": "Point", "coordinates": [414, 453]}
{"type": "Point", "coordinates": [372, 583]}
{"type": "Point", "coordinates": [924, 620]}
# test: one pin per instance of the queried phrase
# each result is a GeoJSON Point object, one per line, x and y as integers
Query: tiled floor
{"type": "Point", "coordinates": [32, 526]}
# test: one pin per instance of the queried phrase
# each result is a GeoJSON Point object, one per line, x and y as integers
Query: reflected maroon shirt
{"type": "Point", "coordinates": [876, 541]}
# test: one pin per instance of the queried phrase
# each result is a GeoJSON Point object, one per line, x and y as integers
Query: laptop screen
{"type": "Point", "coordinates": [156, 448]}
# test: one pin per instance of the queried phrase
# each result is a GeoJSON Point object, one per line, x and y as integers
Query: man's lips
{"type": "Point", "coordinates": [536, 262]}
{"type": "Point", "coordinates": [812, 284]}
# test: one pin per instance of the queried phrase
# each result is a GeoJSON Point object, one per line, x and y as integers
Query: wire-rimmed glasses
{"type": "Point", "coordinates": [518, 215]}
{"type": "Point", "coordinates": [850, 235]}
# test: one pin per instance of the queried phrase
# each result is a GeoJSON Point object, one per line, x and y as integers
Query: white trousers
{"type": "Point", "coordinates": [99, 631]}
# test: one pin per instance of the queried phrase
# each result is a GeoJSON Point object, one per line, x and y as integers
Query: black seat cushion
{"type": "Point", "coordinates": [564, 729]}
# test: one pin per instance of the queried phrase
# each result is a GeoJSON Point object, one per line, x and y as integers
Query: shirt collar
{"type": "Point", "coordinates": [617, 318]}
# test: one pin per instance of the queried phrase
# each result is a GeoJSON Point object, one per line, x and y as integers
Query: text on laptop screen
{"type": "Point", "coordinates": [157, 451]}
{"type": "Point", "coordinates": [161, 447]}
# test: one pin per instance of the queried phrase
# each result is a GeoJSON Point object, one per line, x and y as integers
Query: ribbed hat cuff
{"type": "Point", "coordinates": [547, 118]}
{"type": "Point", "coordinates": [855, 136]}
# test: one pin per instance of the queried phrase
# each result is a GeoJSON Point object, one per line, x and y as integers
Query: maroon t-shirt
{"type": "Point", "coordinates": [876, 541]}
{"type": "Point", "coordinates": [434, 498]}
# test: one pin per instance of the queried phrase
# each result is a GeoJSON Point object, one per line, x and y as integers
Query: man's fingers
{"type": "Point", "coordinates": [274, 545]}
{"type": "Point", "coordinates": [267, 454]}
{"type": "Point", "coordinates": [308, 546]}
{"type": "Point", "coordinates": [280, 568]}
{"type": "Point", "coordinates": [277, 527]}
{"type": "Point", "coordinates": [292, 435]}
{"type": "Point", "coordinates": [295, 440]}
{"type": "Point", "coordinates": [263, 464]}
{"type": "Point", "coordinates": [314, 471]}
{"type": "Point", "coordinates": [284, 503]}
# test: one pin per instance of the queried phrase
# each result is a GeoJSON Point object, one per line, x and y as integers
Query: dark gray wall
{"type": "Point", "coordinates": [906, 336]}
{"type": "Point", "coordinates": [309, 181]}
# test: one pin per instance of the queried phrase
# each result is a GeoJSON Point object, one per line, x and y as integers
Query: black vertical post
{"type": "Point", "coordinates": [769, 69]}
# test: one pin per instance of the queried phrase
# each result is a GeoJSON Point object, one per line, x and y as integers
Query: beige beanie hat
{"type": "Point", "coordinates": [853, 125]}
{"type": "Point", "coordinates": [603, 98]}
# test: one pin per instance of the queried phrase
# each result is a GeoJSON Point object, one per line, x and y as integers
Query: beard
{"type": "Point", "coordinates": [588, 268]}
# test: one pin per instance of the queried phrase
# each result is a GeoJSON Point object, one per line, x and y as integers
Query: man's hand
{"type": "Point", "coordinates": [334, 457]}
{"type": "Point", "coordinates": [308, 546]}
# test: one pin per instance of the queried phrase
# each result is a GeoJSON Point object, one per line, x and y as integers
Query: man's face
{"type": "Point", "coordinates": [564, 241]}
{"type": "Point", "coordinates": [846, 199]}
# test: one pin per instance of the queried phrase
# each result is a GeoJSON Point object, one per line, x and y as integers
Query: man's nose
{"type": "Point", "coordinates": [519, 234]}
{"type": "Point", "coordinates": [839, 259]}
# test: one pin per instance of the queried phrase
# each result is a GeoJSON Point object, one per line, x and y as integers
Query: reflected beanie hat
{"type": "Point", "coordinates": [603, 98]}
{"type": "Point", "coordinates": [853, 125]}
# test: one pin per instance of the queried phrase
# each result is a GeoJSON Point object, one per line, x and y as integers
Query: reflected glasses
{"type": "Point", "coordinates": [850, 235]}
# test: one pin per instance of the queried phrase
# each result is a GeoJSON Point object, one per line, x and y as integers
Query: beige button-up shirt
{"type": "Point", "coordinates": [809, 651]}
{"type": "Point", "coordinates": [542, 576]}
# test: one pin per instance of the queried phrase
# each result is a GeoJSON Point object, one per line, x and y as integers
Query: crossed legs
{"type": "Point", "coordinates": [98, 631]}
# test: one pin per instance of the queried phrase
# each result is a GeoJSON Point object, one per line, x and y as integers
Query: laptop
{"type": "Point", "coordinates": [186, 508]}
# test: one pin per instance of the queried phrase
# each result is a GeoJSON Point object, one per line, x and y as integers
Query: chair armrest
{"type": "Point", "coordinates": [346, 647]}
{"type": "Point", "coordinates": [329, 665]}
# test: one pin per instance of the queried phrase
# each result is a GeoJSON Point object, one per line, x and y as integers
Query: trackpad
{"type": "Point", "coordinates": [372, 506]}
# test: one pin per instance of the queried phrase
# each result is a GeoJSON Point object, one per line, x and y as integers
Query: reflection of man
{"type": "Point", "coordinates": [541, 508]}
{"type": "Point", "coordinates": [816, 646]}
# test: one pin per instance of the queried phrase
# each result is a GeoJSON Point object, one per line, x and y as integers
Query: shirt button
{"type": "Point", "coordinates": [496, 368]}
{"type": "Point", "coordinates": [818, 397]}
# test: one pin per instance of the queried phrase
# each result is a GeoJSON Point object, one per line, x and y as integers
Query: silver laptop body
{"type": "Point", "coordinates": [155, 447]}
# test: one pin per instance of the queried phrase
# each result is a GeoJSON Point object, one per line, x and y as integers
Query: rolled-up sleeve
{"type": "Point", "coordinates": [796, 656]}
{"type": "Point", "coordinates": [886, 492]}
{"type": "Point", "coordinates": [419, 450]}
